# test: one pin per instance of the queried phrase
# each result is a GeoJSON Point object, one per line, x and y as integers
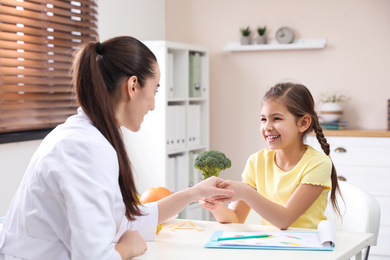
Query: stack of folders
{"type": "Point", "coordinates": [195, 74]}
{"type": "Point", "coordinates": [176, 127]}
{"type": "Point", "coordinates": [334, 125]}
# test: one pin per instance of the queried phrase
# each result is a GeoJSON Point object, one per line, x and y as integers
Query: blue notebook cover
{"type": "Point", "coordinates": [278, 240]}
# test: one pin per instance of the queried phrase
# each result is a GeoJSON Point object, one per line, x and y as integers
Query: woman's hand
{"type": "Point", "coordinates": [131, 244]}
{"type": "Point", "coordinates": [240, 191]}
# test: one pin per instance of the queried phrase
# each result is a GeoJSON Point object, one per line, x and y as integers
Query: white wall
{"type": "Point", "coordinates": [143, 19]}
{"type": "Point", "coordinates": [14, 158]}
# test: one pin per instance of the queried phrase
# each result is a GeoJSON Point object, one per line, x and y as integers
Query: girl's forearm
{"type": "Point", "coordinates": [224, 215]}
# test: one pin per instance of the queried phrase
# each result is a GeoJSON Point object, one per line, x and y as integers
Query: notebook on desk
{"type": "Point", "coordinates": [320, 240]}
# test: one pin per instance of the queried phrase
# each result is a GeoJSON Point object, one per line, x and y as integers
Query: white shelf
{"type": "Point", "coordinates": [298, 44]}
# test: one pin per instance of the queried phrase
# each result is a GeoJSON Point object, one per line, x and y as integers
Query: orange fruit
{"type": "Point", "coordinates": [154, 194]}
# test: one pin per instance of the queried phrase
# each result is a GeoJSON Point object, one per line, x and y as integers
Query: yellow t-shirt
{"type": "Point", "coordinates": [270, 181]}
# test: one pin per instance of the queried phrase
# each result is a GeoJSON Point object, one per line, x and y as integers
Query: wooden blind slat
{"type": "Point", "coordinates": [57, 10]}
{"type": "Point", "coordinates": [35, 88]}
{"type": "Point", "coordinates": [33, 72]}
{"type": "Point", "coordinates": [35, 56]}
{"type": "Point", "coordinates": [35, 47]}
{"type": "Point", "coordinates": [45, 24]}
{"type": "Point", "coordinates": [28, 104]}
{"type": "Point", "coordinates": [43, 16]}
{"type": "Point", "coordinates": [45, 41]}
{"type": "Point", "coordinates": [34, 80]}
{"type": "Point", "coordinates": [34, 96]}
{"type": "Point", "coordinates": [31, 123]}
{"type": "Point", "coordinates": [8, 62]}
{"type": "Point", "coordinates": [26, 113]}
{"type": "Point", "coordinates": [11, 32]}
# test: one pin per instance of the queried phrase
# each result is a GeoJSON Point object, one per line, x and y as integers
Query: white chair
{"type": "Point", "coordinates": [360, 212]}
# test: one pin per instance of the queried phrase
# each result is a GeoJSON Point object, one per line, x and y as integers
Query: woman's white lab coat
{"type": "Point", "coordinates": [69, 204]}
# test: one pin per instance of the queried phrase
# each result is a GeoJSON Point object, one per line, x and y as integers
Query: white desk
{"type": "Point", "coordinates": [189, 244]}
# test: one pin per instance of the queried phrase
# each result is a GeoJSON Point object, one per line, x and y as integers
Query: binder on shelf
{"type": "Point", "coordinates": [180, 173]}
{"type": "Point", "coordinates": [170, 128]}
{"type": "Point", "coordinates": [176, 127]}
{"type": "Point", "coordinates": [170, 179]}
{"type": "Point", "coordinates": [180, 127]}
{"type": "Point", "coordinates": [170, 76]}
{"type": "Point", "coordinates": [195, 74]}
{"type": "Point", "coordinates": [193, 125]}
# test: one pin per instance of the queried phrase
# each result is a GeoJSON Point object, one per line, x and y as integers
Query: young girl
{"type": "Point", "coordinates": [288, 183]}
{"type": "Point", "coordinates": [78, 199]}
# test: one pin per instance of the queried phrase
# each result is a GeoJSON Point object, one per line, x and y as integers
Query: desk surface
{"type": "Point", "coordinates": [189, 244]}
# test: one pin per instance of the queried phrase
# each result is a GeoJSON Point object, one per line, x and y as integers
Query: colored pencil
{"type": "Point", "coordinates": [238, 237]}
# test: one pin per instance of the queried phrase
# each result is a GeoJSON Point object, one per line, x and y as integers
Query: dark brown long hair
{"type": "Point", "coordinates": [99, 71]}
{"type": "Point", "coordinates": [299, 101]}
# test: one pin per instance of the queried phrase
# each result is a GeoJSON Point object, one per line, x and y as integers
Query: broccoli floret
{"type": "Point", "coordinates": [211, 163]}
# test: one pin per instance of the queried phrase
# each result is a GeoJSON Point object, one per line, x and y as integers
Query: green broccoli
{"type": "Point", "coordinates": [212, 162]}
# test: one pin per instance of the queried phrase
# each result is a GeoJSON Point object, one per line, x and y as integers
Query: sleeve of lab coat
{"type": "Point", "coordinates": [146, 225]}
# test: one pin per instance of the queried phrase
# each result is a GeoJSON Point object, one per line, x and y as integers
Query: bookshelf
{"type": "Point", "coordinates": [172, 135]}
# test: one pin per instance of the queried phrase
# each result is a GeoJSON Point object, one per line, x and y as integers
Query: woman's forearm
{"type": "Point", "coordinates": [169, 206]}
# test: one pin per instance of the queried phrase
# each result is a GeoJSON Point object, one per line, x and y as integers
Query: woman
{"type": "Point", "coordinates": [78, 199]}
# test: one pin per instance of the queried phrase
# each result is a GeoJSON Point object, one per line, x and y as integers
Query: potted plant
{"type": "Point", "coordinates": [245, 36]}
{"type": "Point", "coordinates": [261, 38]}
{"type": "Point", "coordinates": [331, 108]}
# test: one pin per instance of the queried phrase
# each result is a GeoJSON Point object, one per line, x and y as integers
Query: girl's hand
{"type": "Point", "coordinates": [131, 244]}
{"type": "Point", "coordinates": [208, 203]}
{"type": "Point", "coordinates": [210, 188]}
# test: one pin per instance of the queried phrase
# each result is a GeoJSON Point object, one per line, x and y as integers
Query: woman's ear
{"type": "Point", "coordinates": [304, 123]}
{"type": "Point", "coordinates": [131, 86]}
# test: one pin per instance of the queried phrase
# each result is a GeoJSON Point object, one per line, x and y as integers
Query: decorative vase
{"type": "Point", "coordinates": [245, 40]}
{"type": "Point", "coordinates": [261, 39]}
{"type": "Point", "coordinates": [331, 112]}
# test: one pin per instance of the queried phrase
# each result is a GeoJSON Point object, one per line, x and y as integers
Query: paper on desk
{"type": "Point", "coordinates": [281, 240]}
{"type": "Point", "coordinates": [326, 232]}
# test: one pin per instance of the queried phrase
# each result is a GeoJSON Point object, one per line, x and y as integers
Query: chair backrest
{"type": "Point", "coordinates": [360, 212]}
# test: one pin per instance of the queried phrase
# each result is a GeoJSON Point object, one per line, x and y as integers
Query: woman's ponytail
{"type": "Point", "coordinates": [99, 71]}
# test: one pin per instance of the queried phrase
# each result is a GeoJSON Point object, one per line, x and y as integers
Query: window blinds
{"type": "Point", "coordinates": [37, 43]}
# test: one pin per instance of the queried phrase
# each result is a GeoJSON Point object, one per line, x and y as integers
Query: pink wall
{"type": "Point", "coordinates": [355, 62]}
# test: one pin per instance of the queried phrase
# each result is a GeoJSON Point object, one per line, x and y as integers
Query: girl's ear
{"type": "Point", "coordinates": [304, 123]}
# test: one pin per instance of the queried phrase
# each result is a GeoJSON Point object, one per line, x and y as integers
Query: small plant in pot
{"type": "Point", "coordinates": [331, 108]}
{"type": "Point", "coordinates": [245, 36]}
{"type": "Point", "coordinates": [261, 37]}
